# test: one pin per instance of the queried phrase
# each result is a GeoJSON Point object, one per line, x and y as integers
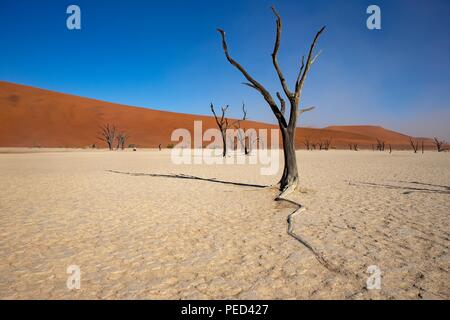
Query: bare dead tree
{"type": "Point", "coordinates": [327, 144]}
{"type": "Point", "coordinates": [355, 146]}
{"type": "Point", "coordinates": [222, 123]}
{"type": "Point", "coordinates": [121, 138]}
{"type": "Point", "coordinates": [107, 134]}
{"type": "Point", "coordinates": [159, 147]}
{"type": "Point", "coordinates": [390, 148]}
{"type": "Point", "coordinates": [242, 138]}
{"type": "Point", "coordinates": [320, 144]}
{"type": "Point", "coordinates": [423, 150]}
{"type": "Point", "coordinates": [380, 145]}
{"type": "Point", "coordinates": [289, 179]}
{"type": "Point", "coordinates": [350, 146]}
{"type": "Point", "coordinates": [307, 144]}
{"type": "Point", "coordinates": [439, 144]}
{"type": "Point", "coordinates": [414, 144]}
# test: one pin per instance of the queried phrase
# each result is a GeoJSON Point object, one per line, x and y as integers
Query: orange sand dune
{"type": "Point", "coordinates": [31, 117]}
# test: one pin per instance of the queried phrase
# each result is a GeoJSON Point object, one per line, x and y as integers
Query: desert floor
{"type": "Point", "coordinates": [136, 235]}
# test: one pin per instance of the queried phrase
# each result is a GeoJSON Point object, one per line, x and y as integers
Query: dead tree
{"type": "Point", "coordinates": [439, 144]}
{"type": "Point", "coordinates": [121, 140]}
{"type": "Point", "coordinates": [380, 145]}
{"type": "Point", "coordinates": [307, 144]}
{"type": "Point", "coordinates": [355, 146]}
{"type": "Point", "coordinates": [423, 150]}
{"type": "Point", "coordinates": [159, 147]}
{"type": "Point", "coordinates": [350, 146]}
{"type": "Point", "coordinates": [242, 138]}
{"type": "Point", "coordinates": [222, 123]}
{"type": "Point", "coordinates": [289, 179]}
{"type": "Point", "coordinates": [327, 144]}
{"type": "Point", "coordinates": [107, 134]}
{"type": "Point", "coordinates": [414, 144]}
{"type": "Point", "coordinates": [390, 148]}
{"type": "Point", "coordinates": [320, 144]}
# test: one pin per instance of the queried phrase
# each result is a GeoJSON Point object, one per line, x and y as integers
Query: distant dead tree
{"type": "Point", "coordinates": [107, 134]}
{"type": "Point", "coordinates": [159, 147]}
{"type": "Point", "coordinates": [355, 146]}
{"type": "Point", "coordinates": [350, 146]}
{"type": "Point", "coordinates": [121, 140]}
{"type": "Point", "coordinates": [222, 123]}
{"type": "Point", "coordinates": [423, 150]}
{"type": "Point", "coordinates": [289, 179]}
{"type": "Point", "coordinates": [320, 144]}
{"type": "Point", "coordinates": [242, 138]}
{"type": "Point", "coordinates": [439, 144]}
{"type": "Point", "coordinates": [327, 144]}
{"type": "Point", "coordinates": [390, 148]}
{"type": "Point", "coordinates": [380, 145]}
{"type": "Point", "coordinates": [414, 144]}
{"type": "Point", "coordinates": [307, 144]}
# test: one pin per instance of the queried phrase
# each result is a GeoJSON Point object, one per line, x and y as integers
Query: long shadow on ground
{"type": "Point", "coordinates": [408, 190]}
{"type": "Point", "coordinates": [188, 177]}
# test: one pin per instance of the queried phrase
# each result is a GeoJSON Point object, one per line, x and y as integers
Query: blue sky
{"type": "Point", "coordinates": [167, 55]}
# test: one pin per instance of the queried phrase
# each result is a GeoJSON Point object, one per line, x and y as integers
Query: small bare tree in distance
{"type": "Point", "coordinates": [121, 140]}
{"type": "Point", "coordinates": [289, 179]}
{"type": "Point", "coordinates": [107, 134]}
{"type": "Point", "coordinates": [414, 144]}
{"type": "Point", "coordinates": [222, 123]}
{"type": "Point", "coordinates": [243, 139]}
{"type": "Point", "coordinates": [380, 145]}
{"type": "Point", "coordinates": [439, 144]}
{"type": "Point", "coordinates": [327, 144]}
{"type": "Point", "coordinates": [307, 144]}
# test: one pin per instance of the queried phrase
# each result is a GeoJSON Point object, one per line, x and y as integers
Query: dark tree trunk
{"type": "Point", "coordinates": [290, 172]}
{"type": "Point", "coordinates": [224, 141]}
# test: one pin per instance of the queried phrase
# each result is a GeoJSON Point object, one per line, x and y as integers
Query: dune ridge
{"type": "Point", "coordinates": [32, 117]}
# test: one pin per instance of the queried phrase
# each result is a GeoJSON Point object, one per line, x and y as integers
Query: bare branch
{"type": "Point", "coordinates": [300, 72]}
{"type": "Point", "coordinates": [250, 85]}
{"type": "Point", "coordinates": [255, 84]}
{"type": "Point", "coordinates": [316, 57]}
{"type": "Point", "coordinates": [286, 90]}
{"type": "Point", "coordinates": [244, 111]}
{"type": "Point", "coordinates": [282, 103]}
{"type": "Point", "coordinates": [305, 110]}
{"type": "Point", "coordinates": [301, 79]}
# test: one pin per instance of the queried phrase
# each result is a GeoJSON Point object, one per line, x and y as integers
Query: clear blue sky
{"type": "Point", "coordinates": [167, 55]}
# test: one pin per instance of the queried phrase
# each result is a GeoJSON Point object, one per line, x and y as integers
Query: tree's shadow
{"type": "Point", "coordinates": [189, 177]}
{"type": "Point", "coordinates": [439, 189]}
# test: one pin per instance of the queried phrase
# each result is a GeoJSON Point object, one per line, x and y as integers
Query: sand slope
{"type": "Point", "coordinates": [31, 117]}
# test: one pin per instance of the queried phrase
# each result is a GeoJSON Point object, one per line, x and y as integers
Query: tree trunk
{"type": "Point", "coordinates": [290, 172]}
{"type": "Point", "coordinates": [224, 141]}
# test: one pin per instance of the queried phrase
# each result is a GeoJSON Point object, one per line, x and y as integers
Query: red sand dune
{"type": "Point", "coordinates": [32, 117]}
